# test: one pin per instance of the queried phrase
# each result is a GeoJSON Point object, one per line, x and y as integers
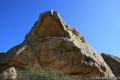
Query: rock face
{"type": "Point", "coordinates": [52, 44]}
{"type": "Point", "coordinates": [113, 62]}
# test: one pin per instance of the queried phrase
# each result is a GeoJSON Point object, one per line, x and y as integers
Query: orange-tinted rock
{"type": "Point", "coordinates": [52, 44]}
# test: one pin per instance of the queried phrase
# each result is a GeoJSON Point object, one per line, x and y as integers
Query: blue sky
{"type": "Point", "coordinates": [97, 20]}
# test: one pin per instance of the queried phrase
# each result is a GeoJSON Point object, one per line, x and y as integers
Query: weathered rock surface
{"type": "Point", "coordinates": [113, 62]}
{"type": "Point", "coordinates": [52, 44]}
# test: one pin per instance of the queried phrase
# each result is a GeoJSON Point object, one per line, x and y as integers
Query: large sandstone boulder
{"type": "Point", "coordinates": [52, 44]}
{"type": "Point", "coordinates": [113, 62]}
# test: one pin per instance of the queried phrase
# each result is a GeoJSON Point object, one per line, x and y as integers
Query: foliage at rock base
{"type": "Point", "coordinates": [40, 74]}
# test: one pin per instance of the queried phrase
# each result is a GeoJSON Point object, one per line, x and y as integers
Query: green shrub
{"type": "Point", "coordinates": [40, 74]}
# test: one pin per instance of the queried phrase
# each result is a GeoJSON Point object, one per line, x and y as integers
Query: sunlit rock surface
{"type": "Point", "coordinates": [53, 44]}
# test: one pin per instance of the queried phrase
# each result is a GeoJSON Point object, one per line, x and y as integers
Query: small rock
{"type": "Point", "coordinates": [9, 74]}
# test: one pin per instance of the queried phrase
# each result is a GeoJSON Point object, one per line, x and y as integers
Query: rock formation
{"type": "Point", "coordinates": [52, 44]}
{"type": "Point", "coordinates": [113, 62]}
